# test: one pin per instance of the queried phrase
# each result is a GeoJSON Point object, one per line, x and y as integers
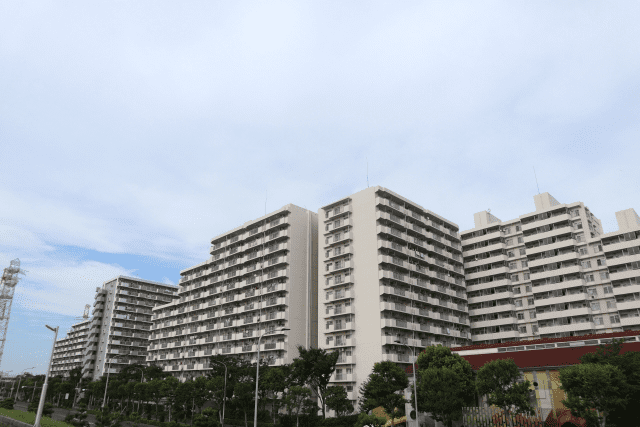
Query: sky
{"type": "Point", "coordinates": [132, 132]}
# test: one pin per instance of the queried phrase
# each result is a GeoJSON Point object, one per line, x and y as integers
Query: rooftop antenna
{"type": "Point", "coordinates": [367, 171]}
{"type": "Point", "coordinates": [534, 174]}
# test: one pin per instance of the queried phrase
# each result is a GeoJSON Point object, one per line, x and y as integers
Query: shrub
{"type": "Point", "coordinates": [345, 421]}
{"type": "Point", "coordinates": [46, 411]}
{"type": "Point", "coordinates": [208, 418]}
{"type": "Point", "coordinates": [7, 403]}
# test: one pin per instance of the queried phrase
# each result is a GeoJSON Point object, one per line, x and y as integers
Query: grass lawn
{"type": "Point", "coordinates": [30, 418]}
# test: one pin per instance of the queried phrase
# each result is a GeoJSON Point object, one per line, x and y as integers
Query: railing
{"type": "Point", "coordinates": [270, 346]}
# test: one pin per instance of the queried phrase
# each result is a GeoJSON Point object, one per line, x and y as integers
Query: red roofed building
{"type": "Point", "coordinates": [539, 362]}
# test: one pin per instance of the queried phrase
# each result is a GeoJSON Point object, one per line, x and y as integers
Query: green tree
{"type": "Point", "coordinates": [7, 403]}
{"type": "Point", "coordinates": [314, 367]}
{"type": "Point", "coordinates": [154, 389]}
{"type": "Point", "coordinates": [445, 384]}
{"type": "Point", "coordinates": [47, 410]}
{"type": "Point", "coordinates": [296, 399]}
{"type": "Point", "coordinates": [382, 388]}
{"type": "Point", "coordinates": [275, 382]}
{"type": "Point", "coordinates": [592, 386]}
{"type": "Point", "coordinates": [168, 389]}
{"type": "Point", "coordinates": [207, 418]}
{"type": "Point", "coordinates": [337, 400]}
{"type": "Point", "coordinates": [500, 381]}
{"type": "Point", "coordinates": [372, 420]}
{"type": "Point", "coordinates": [629, 365]}
{"type": "Point", "coordinates": [108, 418]}
{"type": "Point", "coordinates": [244, 397]}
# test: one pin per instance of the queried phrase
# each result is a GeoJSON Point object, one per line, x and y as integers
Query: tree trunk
{"type": "Point", "coordinates": [245, 419]}
{"type": "Point", "coordinates": [297, 420]}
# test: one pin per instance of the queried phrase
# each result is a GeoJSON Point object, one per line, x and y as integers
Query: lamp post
{"type": "Point", "coordinates": [224, 395]}
{"type": "Point", "coordinates": [255, 414]}
{"type": "Point", "coordinates": [46, 378]}
{"type": "Point", "coordinates": [107, 383]}
{"type": "Point", "coordinates": [21, 381]}
{"type": "Point", "coordinates": [413, 368]}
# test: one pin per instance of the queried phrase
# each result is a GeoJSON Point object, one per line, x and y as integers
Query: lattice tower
{"type": "Point", "coordinates": [7, 287]}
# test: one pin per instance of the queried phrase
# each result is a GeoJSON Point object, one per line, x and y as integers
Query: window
{"type": "Point", "coordinates": [532, 314]}
{"type": "Point", "coordinates": [511, 254]}
{"type": "Point", "coordinates": [328, 266]}
{"type": "Point", "coordinates": [583, 251]}
{"type": "Point", "coordinates": [595, 306]}
{"type": "Point", "coordinates": [528, 288]}
{"type": "Point", "coordinates": [608, 289]}
{"type": "Point", "coordinates": [520, 240]}
{"type": "Point", "coordinates": [513, 265]}
{"type": "Point", "coordinates": [507, 230]}
{"type": "Point", "coordinates": [518, 303]}
{"type": "Point", "coordinates": [326, 214]}
{"type": "Point", "coordinates": [514, 278]}
{"type": "Point", "coordinates": [516, 290]}
{"type": "Point", "coordinates": [598, 320]}
{"type": "Point", "coordinates": [614, 318]}
{"type": "Point", "coordinates": [589, 277]}
{"type": "Point", "coordinates": [530, 301]}
{"type": "Point", "coordinates": [523, 252]}
{"type": "Point", "coordinates": [326, 227]}
{"type": "Point", "coordinates": [509, 242]}
{"type": "Point", "coordinates": [611, 304]}
{"type": "Point", "coordinates": [520, 316]}
{"type": "Point", "coordinates": [336, 237]}
{"type": "Point", "coordinates": [579, 225]}
{"type": "Point", "coordinates": [523, 329]}
{"type": "Point", "coordinates": [328, 254]}
{"type": "Point", "coordinates": [586, 264]}
{"type": "Point", "coordinates": [592, 292]}
{"type": "Point", "coordinates": [527, 276]}
{"type": "Point", "coordinates": [336, 224]}
{"type": "Point", "coordinates": [534, 329]}
{"type": "Point", "coordinates": [518, 228]}
{"type": "Point", "coordinates": [597, 248]}
{"type": "Point", "coordinates": [601, 262]}
{"type": "Point", "coordinates": [525, 264]}
{"type": "Point", "coordinates": [604, 275]}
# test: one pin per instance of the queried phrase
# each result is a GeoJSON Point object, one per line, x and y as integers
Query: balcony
{"type": "Point", "coordinates": [490, 248]}
{"type": "Point", "coordinates": [343, 326]}
{"type": "Point", "coordinates": [572, 327]}
{"type": "Point", "coordinates": [495, 322]}
{"type": "Point", "coordinates": [624, 290]}
{"type": "Point", "coordinates": [552, 246]}
{"type": "Point", "coordinates": [490, 260]}
{"type": "Point", "coordinates": [548, 221]}
{"type": "Point", "coordinates": [272, 346]}
{"type": "Point", "coordinates": [583, 311]}
{"type": "Point", "coordinates": [489, 310]}
{"type": "Point", "coordinates": [497, 335]}
{"type": "Point", "coordinates": [381, 229]}
{"type": "Point", "coordinates": [557, 272]}
{"type": "Point", "coordinates": [621, 275]}
{"type": "Point", "coordinates": [488, 236]}
{"type": "Point", "coordinates": [551, 233]}
{"type": "Point", "coordinates": [491, 297]}
{"type": "Point", "coordinates": [350, 342]}
{"type": "Point", "coordinates": [614, 262]}
{"type": "Point", "coordinates": [569, 284]}
{"type": "Point", "coordinates": [485, 273]}
{"type": "Point", "coordinates": [559, 258]}
{"type": "Point", "coordinates": [488, 285]}
{"type": "Point", "coordinates": [396, 323]}
{"type": "Point", "coordinates": [336, 377]}
{"type": "Point", "coordinates": [581, 296]}
{"type": "Point", "coordinates": [629, 321]}
{"type": "Point", "coordinates": [626, 305]}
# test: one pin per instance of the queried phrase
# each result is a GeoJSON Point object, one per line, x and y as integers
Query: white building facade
{"type": "Point", "coordinates": [388, 270]}
{"type": "Point", "coordinates": [260, 277]}
{"type": "Point", "coordinates": [68, 352]}
{"type": "Point", "coordinates": [119, 330]}
{"type": "Point", "coordinates": [551, 273]}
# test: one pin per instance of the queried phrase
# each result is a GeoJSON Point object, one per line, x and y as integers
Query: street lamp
{"type": "Point", "coordinates": [255, 414]}
{"type": "Point", "coordinates": [413, 368]}
{"type": "Point", "coordinates": [21, 381]}
{"type": "Point", "coordinates": [224, 395]}
{"type": "Point", "coordinates": [46, 378]}
{"type": "Point", "coordinates": [107, 384]}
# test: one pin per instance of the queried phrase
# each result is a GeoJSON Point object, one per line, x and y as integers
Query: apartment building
{"type": "Point", "coordinates": [119, 330]}
{"type": "Point", "coordinates": [261, 276]}
{"type": "Point", "coordinates": [390, 270]}
{"type": "Point", "coordinates": [546, 274]}
{"type": "Point", "coordinates": [68, 352]}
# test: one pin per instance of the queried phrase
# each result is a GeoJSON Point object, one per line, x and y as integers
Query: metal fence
{"type": "Point", "coordinates": [495, 417]}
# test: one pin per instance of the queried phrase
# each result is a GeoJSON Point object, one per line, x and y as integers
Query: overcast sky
{"type": "Point", "coordinates": [133, 132]}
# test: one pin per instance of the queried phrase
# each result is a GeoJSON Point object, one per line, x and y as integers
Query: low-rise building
{"type": "Point", "coordinates": [68, 352]}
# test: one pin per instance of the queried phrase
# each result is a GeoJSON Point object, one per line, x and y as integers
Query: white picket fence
{"type": "Point", "coordinates": [494, 417]}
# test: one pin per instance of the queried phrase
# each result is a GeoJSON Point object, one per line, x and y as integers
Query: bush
{"type": "Point", "coordinates": [346, 421]}
{"type": "Point", "coordinates": [7, 403]}
{"type": "Point", "coordinates": [208, 418]}
{"type": "Point", "coordinates": [312, 420]}
{"type": "Point", "coordinates": [46, 411]}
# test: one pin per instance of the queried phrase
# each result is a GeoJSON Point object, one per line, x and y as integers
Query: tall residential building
{"type": "Point", "coordinates": [551, 273]}
{"type": "Point", "coordinates": [389, 270]}
{"type": "Point", "coordinates": [121, 323]}
{"type": "Point", "coordinates": [260, 277]}
{"type": "Point", "coordinates": [68, 351]}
